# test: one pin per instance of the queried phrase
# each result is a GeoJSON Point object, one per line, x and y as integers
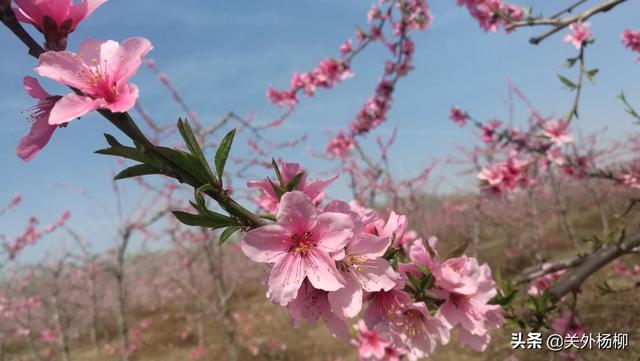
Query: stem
{"type": "Point", "coordinates": [125, 123]}
{"type": "Point", "coordinates": [561, 207]}
{"type": "Point", "coordinates": [576, 100]}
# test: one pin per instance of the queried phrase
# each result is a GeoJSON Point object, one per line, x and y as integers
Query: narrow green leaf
{"type": "Point", "coordinates": [112, 141]}
{"type": "Point", "coordinates": [568, 83]}
{"type": "Point", "coordinates": [137, 171]}
{"type": "Point", "coordinates": [570, 62]}
{"type": "Point", "coordinates": [186, 161]}
{"type": "Point", "coordinates": [202, 189]}
{"type": "Point", "coordinates": [223, 153]}
{"type": "Point", "coordinates": [415, 282]}
{"type": "Point", "coordinates": [227, 233]}
{"type": "Point", "coordinates": [423, 269]}
{"type": "Point", "coordinates": [194, 147]}
{"type": "Point", "coordinates": [279, 191]}
{"type": "Point", "coordinates": [120, 150]}
{"type": "Point", "coordinates": [278, 174]}
{"type": "Point", "coordinates": [591, 74]}
{"type": "Point", "coordinates": [196, 220]}
{"type": "Point", "coordinates": [295, 182]}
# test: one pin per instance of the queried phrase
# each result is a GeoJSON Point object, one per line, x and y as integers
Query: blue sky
{"type": "Point", "coordinates": [222, 56]}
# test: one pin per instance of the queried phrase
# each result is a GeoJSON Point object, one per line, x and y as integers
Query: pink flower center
{"type": "Point", "coordinates": [458, 299]}
{"type": "Point", "coordinates": [303, 243]}
{"type": "Point", "coordinates": [414, 322]}
{"type": "Point", "coordinates": [100, 80]}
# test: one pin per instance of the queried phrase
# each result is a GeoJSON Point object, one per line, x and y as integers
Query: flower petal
{"type": "Point", "coordinates": [297, 213]}
{"type": "Point", "coordinates": [369, 245]}
{"type": "Point", "coordinates": [38, 137]}
{"type": "Point", "coordinates": [83, 9]}
{"type": "Point", "coordinates": [64, 67]}
{"type": "Point", "coordinates": [33, 88]}
{"type": "Point", "coordinates": [322, 272]}
{"type": "Point", "coordinates": [333, 231]}
{"type": "Point", "coordinates": [129, 56]}
{"type": "Point", "coordinates": [285, 279]}
{"type": "Point", "coordinates": [376, 275]}
{"type": "Point", "coordinates": [127, 97]}
{"type": "Point", "coordinates": [347, 301]}
{"type": "Point", "coordinates": [72, 106]}
{"type": "Point", "coordinates": [316, 186]}
{"type": "Point", "coordinates": [266, 244]}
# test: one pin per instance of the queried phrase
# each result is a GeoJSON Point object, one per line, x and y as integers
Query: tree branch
{"type": "Point", "coordinates": [571, 281]}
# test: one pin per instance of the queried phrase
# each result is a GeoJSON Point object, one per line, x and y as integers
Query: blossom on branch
{"type": "Point", "coordinates": [101, 71]}
{"type": "Point", "coordinates": [300, 246]}
{"type": "Point", "coordinates": [580, 34]}
{"type": "Point", "coordinates": [56, 19]}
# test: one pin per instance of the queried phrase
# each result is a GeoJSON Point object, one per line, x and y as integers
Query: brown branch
{"type": "Point", "coordinates": [559, 24]}
{"type": "Point", "coordinates": [571, 281]}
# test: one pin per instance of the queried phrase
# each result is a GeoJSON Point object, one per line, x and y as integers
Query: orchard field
{"type": "Point", "coordinates": [323, 181]}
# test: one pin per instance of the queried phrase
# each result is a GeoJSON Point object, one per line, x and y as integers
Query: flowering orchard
{"type": "Point", "coordinates": [395, 271]}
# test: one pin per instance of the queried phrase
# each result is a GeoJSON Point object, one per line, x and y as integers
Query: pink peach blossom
{"type": "Point", "coordinates": [41, 131]}
{"type": "Point", "coordinates": [458, 116]}
{"type": "Point", "coordinates": [299, 247]}
{"type": "Point", "coordinates": [540, 284]}
{"type": "Point", "coordinates": [101, 70]}
{"type": "Point", "coordinates": [56, 19]}
{"type": "Point", "coordinates": [312, 304]}
{"type": "Point", "coordinates": [579, 34]}
{"type": "Point", "coordinates": [385, 307]}
{"type": "Point", "coordinates": [466, 287]}
{"type": "Point", "coordinates": [631, 39]}
{"type": "Point", "coordinates": [361, 266]}
{"type": "Point", "coordinates": [313, 189]}
{"type": "Point", "coordinates": [370, 343]}
{"type": "Point", "coordinates": [567, 324]}
{"type": "Point", "coordinates": [557, 132]}
{"type": "Point", "coordinates": [419, 331]}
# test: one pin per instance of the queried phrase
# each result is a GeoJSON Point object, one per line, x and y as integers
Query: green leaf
{"type": "Point", "coordinates": [120, 150]}
{"type": "Point", "coordinates": [426, 282]}
{"type": "Point", "coordinates": [196, 220]}
{"type": "Point", "coordinates": [202, 207]}
{"type": "Point", "coordinates": [295, 182]}
{"type": "Point", "coordinates": [223, 153]}
{"type": "Point", "coordinates": [568, 83]}
{"type": "Point", "coordinates": [187, 162]}
{"type": "Point", "coordinates": [194, 147]}
{"type": "Point", "coordinates": [415, 281]}
{"type": "Point", "coordinates": [570, 62]}
{"type": "Point", "coordinates": [278, 174]}
{"type": "Point", "coordinates": [591, 74]}
{"type": "Point", "coordinates": [227, 233]}
{"type": "Point", "coordinates": [137, 171]}
{"type": "Point", "coordinates": [278, 190]}
{"type": "Point", "coordinates": [423, 269]}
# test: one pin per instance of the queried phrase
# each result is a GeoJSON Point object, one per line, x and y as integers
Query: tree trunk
{"type": "Point", "coordinates": [94, 314]}
{"type": "Point", "coordinates": [58, 316]}
{"type": "Point", "coordinates": [228, 323]}
{"type": "Point", "coordinates": [123, 327]}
